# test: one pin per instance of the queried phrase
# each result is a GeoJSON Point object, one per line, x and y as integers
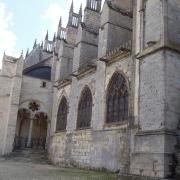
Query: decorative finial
{"type": "Point", "coordinates": [22, 53]}
{"type": "Point", "coordinates": [42, 44]}
{"type": "Point", "coordinates": [72, 7]}
{"type": "Point", "coordinates": [4, 55]}
{"type": "Point", "coordinates": [35, 44]}
{"type": "Point", "coordinates": [54, 38]}
{"type": "Point", "coordinates": [27, 52]}
{"type": "Point", "coordinates": [80, 10]}
{"type": "Point", "coordinates": [60, 22]}
{"type": "Point", "coordinates": [46, 35]}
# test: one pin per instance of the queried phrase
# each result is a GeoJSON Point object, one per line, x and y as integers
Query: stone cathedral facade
{"type": "Point", "coordinates": [103, 94]}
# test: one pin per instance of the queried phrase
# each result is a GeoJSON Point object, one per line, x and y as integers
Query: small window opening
{"type": "Point", "coordinates": [43, 84]}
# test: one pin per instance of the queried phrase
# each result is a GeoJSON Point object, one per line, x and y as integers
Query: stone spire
{"type": "Point", "coordinates": [80, 10]}
{"type": "Point", "coordinates": [27, 52]}
{"type": "Point", "coordinates": [72, 7]}
{"type": "Point", "coordinates": [4, 55]}
{"type": "Point", "coordinates": [46, 38]}
{"type": "Point", "coordinates": [60, 22]}
{"type": "Point", "coordinates": [35, 44]}
{"type": "Point", "coordinates": [46, 41]}
{"type": "Point", "coordinates": [59, 28]}
{"type": "Point", "coordinates": [54, 38]}
{"type": "Point", "coordinates": [42, 44]}
{"type": "Point", "coordinates": [70, 14]}
{"type": "Point", "coordinates": [22, 53]}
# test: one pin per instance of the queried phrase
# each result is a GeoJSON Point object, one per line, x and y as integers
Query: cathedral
{"type": "Point", "coordinates": [103, 94]}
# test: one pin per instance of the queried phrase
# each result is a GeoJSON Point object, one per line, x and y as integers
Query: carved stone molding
{"type": "Point", "coordinates": [34, 106]}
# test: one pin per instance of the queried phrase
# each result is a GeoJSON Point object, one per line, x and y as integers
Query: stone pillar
{"type": "Point", "coordinates": [30, 133]}
{"type": "Point", "coordinates": [177, 154]}
{"type": "Point", "coordinates": [100, 100]}
{"type": "Point", "coordinates": [11, 102]}
{"type": "Point", "coordinates": [158, 110]}
{"type": "Point", "coordinates": [71, 120]}
{"type": "Point", "coordinates": [48, 133]}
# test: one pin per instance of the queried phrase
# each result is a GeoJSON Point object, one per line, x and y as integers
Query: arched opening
{"type": "Point", "coordinates": [22, 129]}
{"type": "Point", "coordinates": [39, 131]}
{"type": "Point", "coordinates": [85, 109]}
{"type": "Point", "coordinates": [62, 115]}
{"type": "Point", "coordinates": [117, 99]}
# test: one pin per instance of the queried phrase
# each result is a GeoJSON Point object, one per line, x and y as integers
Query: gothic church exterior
{"type": "Point", "coordinates": [103, 94]}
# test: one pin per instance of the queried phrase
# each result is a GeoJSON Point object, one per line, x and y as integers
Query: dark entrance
{"type": "Point", "coordinates": [22, 129]}
{"type": "Point", "coordinates": [30, 132]}
{"type": "Point", "coordinates": [39, 131]}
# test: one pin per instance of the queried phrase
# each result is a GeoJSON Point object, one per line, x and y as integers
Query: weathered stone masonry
{"type": "Point", "coordinates": [118, 70]}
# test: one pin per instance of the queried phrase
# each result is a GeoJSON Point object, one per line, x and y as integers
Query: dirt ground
{"type": "Point", "coordinates": [35, 166]}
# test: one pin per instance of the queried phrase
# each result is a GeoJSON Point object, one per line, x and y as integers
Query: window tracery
{"type": "Point", "coordinates": [85, 109]}
{"type": "Point", "coordinates": [62, 115]}
{"type": "Point", "coordinates": [117, 99]}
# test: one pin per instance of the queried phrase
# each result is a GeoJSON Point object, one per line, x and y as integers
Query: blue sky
{"type": "Point", "coordinates": [23, 21]}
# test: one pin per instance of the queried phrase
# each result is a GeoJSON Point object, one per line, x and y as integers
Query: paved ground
{"type": "Point", "coordinates": [35, 166]}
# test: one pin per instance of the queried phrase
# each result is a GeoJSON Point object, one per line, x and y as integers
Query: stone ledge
{"type": "Point", "coordinates": [136, 177]}
{"type": "Point", "coordinates": [157, 46]}
{"type": "Point", "coordinates": [156, 132]}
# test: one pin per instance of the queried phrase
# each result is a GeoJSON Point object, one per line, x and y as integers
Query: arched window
{"type": "Point", "coordinates": [117, 99]}
{"type": "Point", "coordinates": [62, 115]}
{"type": "Point", "coordinates": [85, 109]}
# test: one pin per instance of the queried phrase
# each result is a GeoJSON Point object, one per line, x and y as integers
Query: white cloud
{"type": "Point", "coordinates": [7, 36]}
{"type": "Point", "coordinates": [53, 13]}
{"type": "Point", "coordinates": [55, 10]}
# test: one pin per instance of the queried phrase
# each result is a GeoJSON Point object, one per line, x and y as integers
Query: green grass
{"type": "Point", "coordinates": [78, 174]}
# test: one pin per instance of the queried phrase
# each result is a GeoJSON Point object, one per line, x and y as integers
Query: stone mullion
{"type": "Point", "coordinates": [30, 132]}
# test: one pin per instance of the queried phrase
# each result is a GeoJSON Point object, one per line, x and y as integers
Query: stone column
{"type": "Point", "coordinates": [30, 133]}
{"type": "Point", "coordinates": [177, 153]}
{"type": "Point", "coordinates": [48, 133]}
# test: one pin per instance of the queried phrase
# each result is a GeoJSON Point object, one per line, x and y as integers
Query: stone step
{"type": "Point", "coordinates": [29, 155]}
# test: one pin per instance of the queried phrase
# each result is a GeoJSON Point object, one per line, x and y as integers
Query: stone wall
{"type": "Point", "coordinates": [158, 115]}
{"type": "Point", "coordinates": [173, 19]}
{"type": "Point", "coordinates": [91, 19]}
{"type": "Point", "coordinates": [32, 90]}
{"type": "Point", "coordinates": [4, 109]}
{"type": "Point", "coordinates": [65, 62]}
{"type": "Point", "coordinates": [143, 145]}
{"type": "Point", "coordinates": [107, 149]}
{"type": "Point", "coordinates": [102, 146]}
{"type": "Point", "coordinates": [10, 79]}
{"type": "Point", "coordinates": [116, 21]}
{"type": "Point", "coordinates": [172, 77]}
{"type": "Point", "coordinates": [153, 23]}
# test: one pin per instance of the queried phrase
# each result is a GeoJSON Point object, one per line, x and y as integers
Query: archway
{"type": "Point", "coordinates": [85, 109]}
{"type": "Point", "coordinates": [22, 129]}
{"type": "Point", "coordinates": [117, 99]}
{"type": "Point", "coordinates": [39, 131]}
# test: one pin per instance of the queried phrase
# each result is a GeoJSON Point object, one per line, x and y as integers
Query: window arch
{"type": "Point", "coordinates": [85, 109]}
{"type": "Point", "coordinates": [62, 115]}
{"type": "Point", "coordinates": [117, 99]}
